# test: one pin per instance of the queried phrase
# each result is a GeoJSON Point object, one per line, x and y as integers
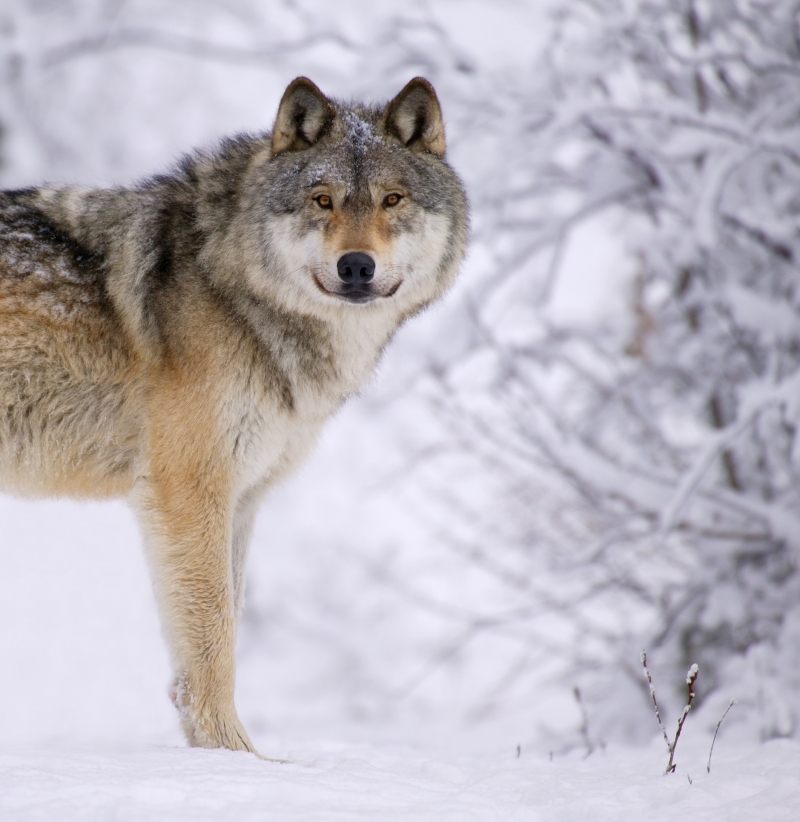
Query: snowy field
{"type": "Point", "coordinates": [414, 632]}
{"type": "Point", "coordinates": [331, 782]}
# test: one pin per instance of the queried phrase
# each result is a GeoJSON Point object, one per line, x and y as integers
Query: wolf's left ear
{"type": "Point", "coordinates": [415, 118]}
{"type": "Point", "coordinates": [303, 117]}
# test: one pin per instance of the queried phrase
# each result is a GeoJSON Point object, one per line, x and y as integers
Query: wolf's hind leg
{"type": "Point", "coordinates": [243, 521]}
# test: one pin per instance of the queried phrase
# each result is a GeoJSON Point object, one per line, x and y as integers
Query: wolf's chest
{"type": "Point", "coordinates": [279, 420]}
{"type": "Point", "coordinates": [270, 440]}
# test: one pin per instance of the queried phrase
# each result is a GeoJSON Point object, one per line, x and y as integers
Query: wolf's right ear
{"type": "Point", "coordinates": [304, 115]}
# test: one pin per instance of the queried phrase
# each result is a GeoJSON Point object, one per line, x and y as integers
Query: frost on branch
{"type": "Point", "coordinates": [637, 470]}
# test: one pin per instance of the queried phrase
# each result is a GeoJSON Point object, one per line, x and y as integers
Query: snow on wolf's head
{"type": "Point", "coordinates": [358, 207]}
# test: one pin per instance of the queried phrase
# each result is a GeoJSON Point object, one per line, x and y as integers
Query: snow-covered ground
{"type": "Point", "coordinates": [334, 782]}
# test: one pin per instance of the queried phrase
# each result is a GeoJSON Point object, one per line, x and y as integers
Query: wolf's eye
{"type": "Point", "coordinates": [323, 201]}
{"type": "Point", "coordinates": [391, 200]}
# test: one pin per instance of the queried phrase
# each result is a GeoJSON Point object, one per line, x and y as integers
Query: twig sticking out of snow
{"type": "Point", "coordinates": [708, 764]}
{"type": "Point", "coordinates": [653, 697]}
{"type": "Point", "coordinates": [584, 722]}
{"type": "Point", "coordinates": [691, 678]}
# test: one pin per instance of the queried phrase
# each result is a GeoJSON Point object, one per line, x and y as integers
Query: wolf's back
{"type": "Point", "coordinates": [66, 375]}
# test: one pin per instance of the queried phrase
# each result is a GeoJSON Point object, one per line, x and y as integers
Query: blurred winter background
{"type": "Point", "coordinates": [590, 447]}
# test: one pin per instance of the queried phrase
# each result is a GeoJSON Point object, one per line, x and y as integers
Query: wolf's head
{"type": "Point", "coordinates": [359, 210]}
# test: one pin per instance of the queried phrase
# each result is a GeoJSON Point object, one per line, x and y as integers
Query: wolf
{"type": "Point", "coordinates": [181, 342]}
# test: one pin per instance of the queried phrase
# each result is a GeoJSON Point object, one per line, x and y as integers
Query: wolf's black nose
{"type": "Point", "coordinates": [355, 268]}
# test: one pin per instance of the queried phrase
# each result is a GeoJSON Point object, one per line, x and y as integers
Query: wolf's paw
{"type": "Point", "coordinates": [222, 732]}
{"type": "Point", "coordinates": [217, 731]}
{"type": "Point", "coordinates": [209, 727]}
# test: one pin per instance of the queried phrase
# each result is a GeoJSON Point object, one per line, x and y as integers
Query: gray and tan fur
{"type": "Point", "coordinates": [183, 341]}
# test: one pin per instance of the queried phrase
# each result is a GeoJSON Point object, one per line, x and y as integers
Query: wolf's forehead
{"type": "Point", "coordinates": [359, 130]}
{"type": "Point", "coordinates": [356, 153]}
{"type": "Point", "coordinates": [349, 173]}
{"type": "Point", "coordinates": [336, 169]}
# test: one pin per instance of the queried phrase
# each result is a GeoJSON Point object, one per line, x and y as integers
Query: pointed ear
{"type": "Point", "coordinates": [304, 116]}
{"type": "Point", "coordinates": [415, 118]}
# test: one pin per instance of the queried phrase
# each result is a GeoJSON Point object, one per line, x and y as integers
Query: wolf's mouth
{"type": "Point", "coordinates": [363, 293]}
{"type": "Point", "coordinates": [355, 295]}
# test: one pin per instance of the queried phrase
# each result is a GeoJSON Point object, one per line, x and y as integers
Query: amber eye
{"type": "Point", "coordinates": [392, 199]}
{"type": "Point", "coordinates": [323, 201]}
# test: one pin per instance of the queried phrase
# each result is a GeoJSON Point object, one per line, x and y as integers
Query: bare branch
{"type": "Point", "coordinates": [655, 702]}
{"type": "Point", "coordinates": [716, 731]}
{"type": "Point", "coordinates": [691, 678]}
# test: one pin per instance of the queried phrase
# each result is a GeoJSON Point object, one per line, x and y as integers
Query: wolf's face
{"type": "Point", "coordinates": [361, 209]}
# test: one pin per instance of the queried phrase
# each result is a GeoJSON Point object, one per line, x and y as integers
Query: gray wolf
{"type": "Point", "coordinates": [181, 342]}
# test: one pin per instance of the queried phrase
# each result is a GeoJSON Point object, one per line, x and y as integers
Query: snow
{"type": "Point", "coordinates": [361, 132]}
{"type": "Point", "coordinates": [331, 781]}
{"type": "Point", "coordinates": [604, 296]}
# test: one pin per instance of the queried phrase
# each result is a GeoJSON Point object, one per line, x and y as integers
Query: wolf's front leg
{"type": "Point", "coordinates": [187, 516]}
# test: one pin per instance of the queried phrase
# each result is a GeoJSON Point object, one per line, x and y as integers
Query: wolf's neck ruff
{"type": "Point", "coordinates": [183, 341]}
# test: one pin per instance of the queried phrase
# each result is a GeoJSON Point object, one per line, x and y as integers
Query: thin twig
{"type": "Point", "coordinates": [584, 729]}
{"type": "Point", "coordinates": [691, 678]}
{"type": "Point", "coordinates": [708, 765]}
{"type": "Point", "coordinates": [655, 703]}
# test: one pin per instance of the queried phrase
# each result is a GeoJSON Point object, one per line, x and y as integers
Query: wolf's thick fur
{"type": "Point", "coordinates": [182, 342]}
